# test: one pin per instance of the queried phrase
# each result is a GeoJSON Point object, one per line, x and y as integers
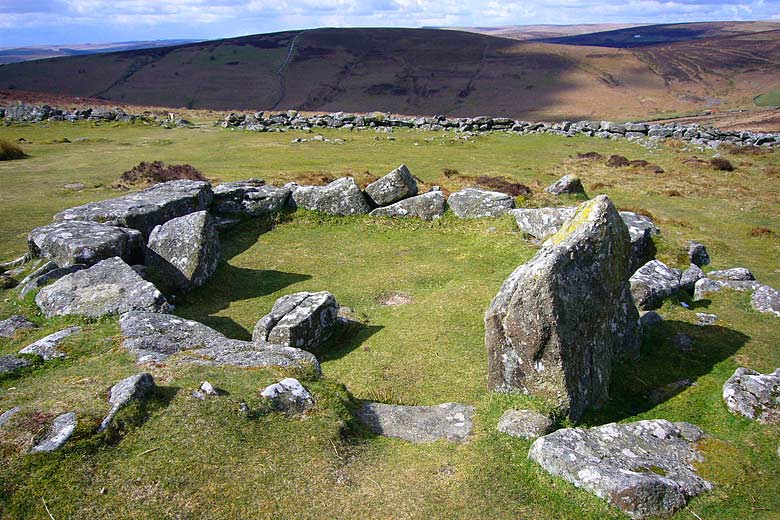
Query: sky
{"type": "Point", "coordinates": [39, 22]}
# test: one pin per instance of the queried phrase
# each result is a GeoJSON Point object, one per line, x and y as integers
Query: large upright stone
{"type": "Point", "coordinates": [340, 197]}
{"type": "Point", "coordinates": [302, 320]}
{"type": "Point", "coordinates": [560, 320]}
{"type": "Point", "coordinates": [108, 287]}
{"type": "Point", "coordinates": [396, 185]}
{"type": "Point", "coordinates": [250, 198]}
{"type": "Point", "coordinates": [184, 251]}
{"type": "Point", "coordinates": [428, 206]}
{"type": "Point", "coordinates": [477, 203]}
{"type": "Point", "coordinates": [147, 208]}
{"type": "Point", "coordinates": [85, 242]}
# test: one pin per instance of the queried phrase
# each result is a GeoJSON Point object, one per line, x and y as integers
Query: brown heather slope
{"type": "Point", "coordinates": [422, 71]}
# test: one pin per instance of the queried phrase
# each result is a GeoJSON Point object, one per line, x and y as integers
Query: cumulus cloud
{"type": "Point", "coordinates": [60, 21]}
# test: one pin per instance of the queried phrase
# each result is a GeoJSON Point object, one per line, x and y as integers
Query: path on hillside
{"type": "Point", "coordinates": [283, 67]}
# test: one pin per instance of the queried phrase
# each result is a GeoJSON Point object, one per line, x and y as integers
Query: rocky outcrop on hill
{"type": "Point", "coordinates": [48, 348]}
{"type": "Point", "coordinates": [60, 431]}
{"type": "Point", "coordinates": [21, 112]}
{"type": "Point", "coordinates": [10, 326]}
{"type": "Point", "coordinates": [289, 396]}
{"type": "Point", "coordinates": [130, 389]}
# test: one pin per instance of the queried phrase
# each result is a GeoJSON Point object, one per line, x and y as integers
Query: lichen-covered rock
{"type": "Point", "coordinates": [449, 421]}
{"type": "Point", "coordinates": [697, 253]}
{"type": "Point", "coordinates": [302, 320]}
{"type": "Point", "coordinates": [652, 283]}
{"type": "Point", "coordinates": [476, 203]}
{"type": "Point", "coordinates": [34, 281]}
{"type": "Point", "coordinates": [568, 184]}
{"type": "Point", "coordinates": [560, 320]}
{"type": "Point", "coordinates": [85, 242]}
{"type": "Point", "coordinates": [10, 363]}
{"type": "Point", "coordinates": [340, 197]}
{"type": "Point", "coordinates": [428, 206]}
{"type": "Point", "coordinates": [289, 396]}
{"type": "Point", "coordinates": [147, 208]}
{"type": "Point", "coordinates": [250, 198]}
{"type": "Point", "coordinates": [10, 326]}
{"type": "Point", "coordinates": [766, 299]}
{"type": "Point", "coordinates": [645, 468]}
{"type": "Point", "coordinates": [706, 286]}
{"type": "Point", "coordinates": [185, 251]}
{"type": "Point", "coordinates": [61, 429]}
{"type": "Point", "coordinates": [129, 389]}
{"type": "Point", "coordinates": [738, 274]}
{"type": "Point", "coordinates": [525, 424]}
{"type": "Point", "coordinates": [397, 185]}
{"type": "Point", "coordinates": [153, 338]}
{"type": "Point", "coordinates": [754, 395]}
{"type": "Point", "coordinates": [48, 347]}
{"type": "Point", "coordinates": [108, 287]}
{"type": "Point", "coordinates": [690, 276]}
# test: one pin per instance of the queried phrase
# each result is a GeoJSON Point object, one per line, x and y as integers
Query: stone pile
{"type": "Point", "coordinates": [21, 112]}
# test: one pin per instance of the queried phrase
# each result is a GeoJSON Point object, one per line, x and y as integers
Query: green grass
{"type": "Point", "coordinates": [768, 99]}
{"type": "Point", "coordinates": [209, 461]}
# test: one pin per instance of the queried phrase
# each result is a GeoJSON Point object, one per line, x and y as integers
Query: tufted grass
{"type": "Point", "coordinates": [209, 461]}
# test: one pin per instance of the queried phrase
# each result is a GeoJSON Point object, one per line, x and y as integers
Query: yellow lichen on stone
{"type": "Point", "coordinates": [581, 216]}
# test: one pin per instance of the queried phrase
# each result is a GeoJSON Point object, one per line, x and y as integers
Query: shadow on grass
{"type": "Point", "coordinates": [665, 370]}
{"type": "Point", "coordinates": [347, 337]}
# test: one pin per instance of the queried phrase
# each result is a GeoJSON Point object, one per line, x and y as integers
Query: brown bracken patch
{"type": "Point", "coordinates": [148, 173]}
{"type": "Point", "coordinates": [759, 232]}
{"type": "Point", "coordinates": [721, 164]}
{"type": "Point", "coordinates": [617, 161]}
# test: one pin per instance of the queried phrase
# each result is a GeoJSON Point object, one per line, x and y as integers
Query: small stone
{"type": "Point", "coordinates": [525, 424]}
{"type": "Point", "coordinates": [289, 396]}
{"type": "Point", "coordinates": [6, 416]}
{"type": "Point", "coordinates": [650, 319]}
{"type": "Point", "coordinates": [682, 342]}
{"type": "Point", "coordinates": [706, 319]}
{"type": "Point", "coordinates": [697, 253]}
{"type": "Point", "coordinates": [477, 203]}
{"type": "Point", "coordinates": [10, 326]}
{"type": "Point", "coordinates": [568, 184]}
{"type": "Point", "coordinates": [690, 276]}
{"type": "Point", "coordinates": [766, 299]}
{"type": "Point", "coordinates": [47, 347]}
{"type": "Point", "coordinates": [61, 429]}
{"type": "Point", "coordinates": [301, 320]}
{"type": "Point", "coordinates": [652, 283]}
{"type": "Point", "coordinates": [130, 389]}
{"type": "Point", "coordinates": [754, 395]}
{"type": "Point", "coordinates": [397, 185]}
{"type": "Point", "coordinates": [208, 389]}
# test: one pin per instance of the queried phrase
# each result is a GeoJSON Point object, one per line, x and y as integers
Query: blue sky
{"type": "Point", "coordinates": [29, 22]}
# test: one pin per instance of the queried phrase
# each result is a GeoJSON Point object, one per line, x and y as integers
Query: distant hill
{"type": "Point", "coordinates": [542, 31]}
{"type": "Point", "coordinates": [40, 52]}
{"type": "Point", "coordinates": [428, 71]}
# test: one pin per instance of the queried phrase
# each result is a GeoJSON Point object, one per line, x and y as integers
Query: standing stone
{"type": "Point", "coordinates": [477, 203]}
{"type": "Point", "coordinates": [652, 283]}
{"type": "Point", "coordinates": [340, 197]}
{"type": "Point", "coordinates": [697, 253]}
{"type": "Point", "coordinates": [81, 242]}
{"type": "Point", "coordinates": [449, 421]}
{"type": "Point", "coordinates": [428, 206]}
{"type": "Point", "coordinates": [568, 184]}
{"type": "Point", "coordinates": [289, 396]}
{"type": "Point", "coordinates": [10, 326]}
{"type": "Point", "coordinates": [185, 251]}
{"type": "Point", "coordinates": [48, 347]}
{"type": "Point", "coordinates": [766, 299]}
{"type": "Point", "coordinates": [525, 424]}
{"type": "Point", "coordinates": [301, 320]}
{"type": "Point", "coordinates": [108, 287]}
{"type": "Point", "coordinates": [397, 185]}
{"type": "Point", "coordinates": [127, 390]}
{"type": "Point", "coordinates": [147, 208]}
{"type": "Point", "coordinates": [754, 395]}
{"type": "Point", "coordinates": [560, 320]}
{"type": "Point", "coordinates": [645, 468]}
{"type": "Point", "coordinates": [250, 198]}
{"type": "Point", "coordinates": [61, 429]}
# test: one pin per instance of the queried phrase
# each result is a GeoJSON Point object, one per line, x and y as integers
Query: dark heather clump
{"type": "Point", "coordinates": [148, 173]}
{"type": "Point", "coordinates": [721, 164]}
{"type": "Point", "coordinates": [617, 161]}
{"type": "Point", "coordinates": [514, 189]}
{"type": "Point", "coordinates": [10, 151]}
{"type": "Point", "coordinates": [590, 156]}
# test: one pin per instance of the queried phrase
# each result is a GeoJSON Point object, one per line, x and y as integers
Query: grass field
{"type": "Point", "coordinates": [208, 461]}
{"type": "Point", "coordinates": [769, 99]}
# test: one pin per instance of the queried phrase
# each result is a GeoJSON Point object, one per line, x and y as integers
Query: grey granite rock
{"type": "Point", "coordinates": [249, 198]}
{"type": "Point", "coordinates": [766, 299]}
{"type": "Point", "coordinates": [449, 421]}
{"type": "Point", "coordinates": [147, 208]}
{"type": "Point", "coordinates": [560, 321]}
{"type": "Point", "coordinates": [48, 347]}
{"type": "Point", "coordinates": [477, 203]}
{"type": "Point", "coordinates": [10, 326]}
{"type": "Point", "coordinates": [85, 242]}
{"type": "Point", "coordinates": [706, 318]}
{"type": "Point", "coordinates": [108, 287]}
{"type": "Point", "coordinates": [697, 253]}
{"type": "Point", "coordinates": [61, 430]}
{"type": "Point", "coordinates": [690, 276]}
{"type": "Point", "coordinates": [645, 468]}
{"type": "Point", "coordinates": [34, 282]}
{"type": "Point", "coordinates": [397, 185]}
{"type": "Point", "coordinates": [6, 415]}
{"type": "Point", "coordinates": [185, 251]}
{"type": "Point", "coordinates": [707, 286]}
{"type": "Point", "coordinates": [738, 274]}
{"type": "Point", "coordinates": [568, 184]}
{"type": "Point", "coordinates": [652, 283]}
{"type": "Point", "coordinates": [154, 337]}
{"type": "Point", "coordinates": [289, 396]}
{"type": "Point", "coordinates": [340, 197]}
{"type": "Point", "coordinates": [525, 424]}
{"type": "Point", "coordinates": [129, 389]}
{"type": "Point", "coordinates": [10, 363]}
{"type": "Point", "coordinates": [754, 395]}
{"type": "Point", "coordinates": [302, 320]}
{"type": "Point", "coordinates": [428, 206]}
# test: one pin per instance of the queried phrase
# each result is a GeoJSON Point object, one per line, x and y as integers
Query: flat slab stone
{"type": "Point", "coordinates": [706, 286]}
{"type": "Point", "coordinates": [652, 283]}
{"type": "Point", "coordinates": [340, 197]}
{"type": "Point", "coordinates": [428, 206]}
{"type": "Point", "coordinates": [397, 185]}
{"type": "Point", "coordinates": [35, 281]}
{"type": "Point", "coordinates": [48, 347]}
{"type": "Point", "coordinates": [477, 203]}
{"type": "Point", "coordinates": [302, 320]}
{"type": "Point", "coordinates": [644, 468]}
{"type": "Point", "coordinates": [754, 395]}
{"type": "Point", "coordinates": [739, 274]}
{"type": "Point", "coordinates": [448, 421]}
{"type": "Point", "coordinates": [108, 287]}
{"type": "Point", "coordinates": [154, 337]}
{"type": "Point", "coordinates": [61, 429]}
{"type": "Point", "coordinates": [85, 242]}
{"type": "Point", "coordinates": [766, 299]}
{"type": "Point", "coordinates": [147, 208]}
{"type": "Point", "coordinates": [10, 326]}
{"type": "Point", "coordinates": [525, 424]}
{"type": "Point", "coordinates": [249, 198]}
